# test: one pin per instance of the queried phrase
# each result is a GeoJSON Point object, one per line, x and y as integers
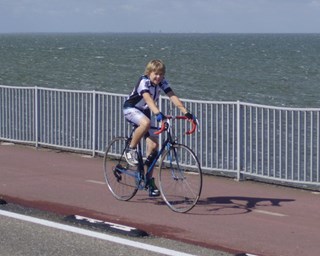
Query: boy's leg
{"type": "Point", "coordinates": [137, 117]}
{"type": "Point", "coordinates": [140, 131]}
{"type": "Point", "coordinates": [152, 151]}
{"type": "Point", "coordinates": [152, 148]}
{"type": "Point", "coordinates": [152, 144]}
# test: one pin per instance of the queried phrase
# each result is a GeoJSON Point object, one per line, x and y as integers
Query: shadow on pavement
{"type": "Point", "coordinates": [231, 205]}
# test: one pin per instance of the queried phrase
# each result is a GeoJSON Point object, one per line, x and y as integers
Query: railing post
{"type": "Point", "coordinates": [36, 116]}
{"type": "Point", "coordinates": [239, 141]}
{"type": "Point", "coordinates": [94, 111]}
{"type": "Point", "coordinates": [160, 107]}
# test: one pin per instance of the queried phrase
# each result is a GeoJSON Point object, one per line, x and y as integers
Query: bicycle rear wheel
{"type": "Point", "coordinates": [122, 180]}
{"type": "Point", "coordinates": [180, 178]}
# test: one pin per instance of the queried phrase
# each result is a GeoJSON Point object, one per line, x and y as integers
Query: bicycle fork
{"type": "Point", "coordinates": [176, 172]}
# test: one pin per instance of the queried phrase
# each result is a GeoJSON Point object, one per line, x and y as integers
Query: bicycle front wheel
{"type": "Point", "coordinates": [180, 178]}
{"type": "Point", "coordinates": [122, 181]}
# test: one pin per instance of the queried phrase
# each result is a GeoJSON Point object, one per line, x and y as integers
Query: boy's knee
{"type": "Point", "coordinates": [146, 124]}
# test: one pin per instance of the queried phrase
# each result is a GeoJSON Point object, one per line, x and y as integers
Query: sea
{"type": "Point", "coordinates": [270, 69]}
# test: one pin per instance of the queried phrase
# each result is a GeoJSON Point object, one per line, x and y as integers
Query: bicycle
{"type": "Point", "coordinates": [180, 174]}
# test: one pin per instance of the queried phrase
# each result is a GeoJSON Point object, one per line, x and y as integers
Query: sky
{"type": "Point", "coordinates": [167, 16]}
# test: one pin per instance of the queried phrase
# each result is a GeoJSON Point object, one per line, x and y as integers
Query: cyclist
{"type": "Point", "coordinates": [137, 110]}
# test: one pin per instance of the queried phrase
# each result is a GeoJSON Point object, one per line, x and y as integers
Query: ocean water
{"type": "Point", "coordinates": [270, 69]}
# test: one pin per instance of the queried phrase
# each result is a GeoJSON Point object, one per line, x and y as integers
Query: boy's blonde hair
{"type": "Point", "coordinates": [155, 66]}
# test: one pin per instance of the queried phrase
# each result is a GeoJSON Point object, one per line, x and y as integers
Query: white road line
{"type": "Point", "coordinates": [86, 156]}
{"type": "Point", "coordinates": [270, 213]}
{"type": "Point", "coordinates": [96, 182]}
{"type": "Point", "coordinates": [94, 234]}
{"type": "Point", "coordinates": [6, 144]}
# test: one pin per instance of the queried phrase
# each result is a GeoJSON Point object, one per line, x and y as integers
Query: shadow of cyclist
{"type": "Point", "coordinates": [230, 205]}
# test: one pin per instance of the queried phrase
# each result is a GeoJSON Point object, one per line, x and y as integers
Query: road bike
{"type": "Point", "coordinates": [180, 174]}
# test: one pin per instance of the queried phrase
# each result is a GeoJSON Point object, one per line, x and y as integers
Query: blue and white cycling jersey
{"type": "Point", "coordinates": [135, 99]}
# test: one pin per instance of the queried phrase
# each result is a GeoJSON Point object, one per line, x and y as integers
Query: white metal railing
{"type": "Point", "coordinates": [235, 138]}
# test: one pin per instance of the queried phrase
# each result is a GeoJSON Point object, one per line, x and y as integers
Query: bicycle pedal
{"type": "Point", "coordinates": [117, 173]}
{"type": "Point", "coordinates": [118, 176]}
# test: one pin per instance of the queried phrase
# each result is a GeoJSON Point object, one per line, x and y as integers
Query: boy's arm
{"type": "Point", "coordinates": [177, 102]}
{"type": "Point", "coordinates": [150, 102]}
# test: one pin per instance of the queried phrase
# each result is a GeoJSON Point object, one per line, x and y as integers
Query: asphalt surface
{"type": "Point", "coordinates": [233, 217]}
{"type": "Point", "coordinates": [28, 232]}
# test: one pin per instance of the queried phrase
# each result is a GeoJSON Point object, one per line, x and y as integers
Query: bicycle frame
{"type": "Point", "coordinates": [167, 142]}
{"type": "Point", "coordinates": [180, 175]}
{"type": "Point", "coordinates": [139, 174]}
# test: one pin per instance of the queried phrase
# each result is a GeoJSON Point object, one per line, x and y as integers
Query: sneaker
{"type": "Point", "coordinates": [131, 156]}
{"type": "Point", "coordinates": [153, 190]}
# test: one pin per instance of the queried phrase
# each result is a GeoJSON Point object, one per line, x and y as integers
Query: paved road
{"type": "Point", "coordinates": [232, 216]}
{"type": "Point", "coordinates": [30, 232]}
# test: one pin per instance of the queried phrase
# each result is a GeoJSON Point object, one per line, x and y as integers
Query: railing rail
{"type": "Point", "coordinates": [235, 138]}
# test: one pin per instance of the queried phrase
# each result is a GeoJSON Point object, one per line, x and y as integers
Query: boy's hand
{"type": "Point", "coordinates": [189, 116]}
{"type": "Point", "coordinates": [160, 117]}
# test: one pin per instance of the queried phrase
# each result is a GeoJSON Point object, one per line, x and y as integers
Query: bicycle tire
{"type": "Point", "coordinates": [180, 178]}
{"type": "Point", "coordinates": [122, 181]}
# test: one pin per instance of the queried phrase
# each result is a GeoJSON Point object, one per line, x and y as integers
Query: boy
{"type": "Point", "coordinates": [137, 109]}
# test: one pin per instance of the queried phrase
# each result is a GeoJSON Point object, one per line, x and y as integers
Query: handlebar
{"type": "Point", "coordinates": [164, 125]}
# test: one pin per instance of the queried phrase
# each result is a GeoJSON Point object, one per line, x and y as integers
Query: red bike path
{"type": "Point", "coordinates": [236, 217]}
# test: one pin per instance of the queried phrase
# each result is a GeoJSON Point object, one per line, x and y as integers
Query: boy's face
{"type": "Point", "coordinates": [156, 77]}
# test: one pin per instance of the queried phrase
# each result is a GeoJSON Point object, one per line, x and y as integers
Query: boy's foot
{"type": "Point", "coordinates": [131, 156]}
{"type": "Point", "coordinates": [153, 190]}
